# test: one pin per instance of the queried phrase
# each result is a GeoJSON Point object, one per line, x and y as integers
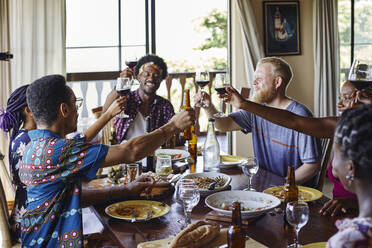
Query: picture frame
{"type": "Point", "coordinates": [281, 28]}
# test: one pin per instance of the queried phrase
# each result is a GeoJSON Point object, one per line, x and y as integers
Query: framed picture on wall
{"type": "Point", "coordinates": [282, 28]}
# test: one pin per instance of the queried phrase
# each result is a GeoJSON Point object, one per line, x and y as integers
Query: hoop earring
{"type": "Point", "coordinates": [350, 177]}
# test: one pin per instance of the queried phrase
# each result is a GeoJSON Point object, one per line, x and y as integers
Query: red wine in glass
{"type": "Point", "coordinates": [131, 63]}
{"type": "Point", "coordinates": [202, 83]}
{"type": "Point", "coordinates": [123, 91]}
{"type": "Point", "coordinates": [221, 90]}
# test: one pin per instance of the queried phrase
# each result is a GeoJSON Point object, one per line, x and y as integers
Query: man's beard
{"type": "Point", "coordinates": [264, 96]}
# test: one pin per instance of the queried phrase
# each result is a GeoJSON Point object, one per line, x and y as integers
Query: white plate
{"type": "Point", "coordinates": [259, 202]}
{"type": "Point", "coordinates": [184, 154]}
{"type": "Point", "coordinates": [205, 192]}
{"type": "Point", "coordinates": [230, 164]}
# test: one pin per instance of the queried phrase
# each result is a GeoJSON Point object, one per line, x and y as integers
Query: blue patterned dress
{"type": "Point", "coordinates": [16, 152]}
{"type": "Point", "coordinates": [52, 170]}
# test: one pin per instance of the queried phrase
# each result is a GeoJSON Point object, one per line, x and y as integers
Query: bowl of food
{"type": "Point", "coordinates": [252, 203]}
{"type": "Point", "coordinates": [210, 182]}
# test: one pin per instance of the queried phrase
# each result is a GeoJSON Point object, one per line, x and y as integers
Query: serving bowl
{"type": "Point", "coordinates": [205, 192]}
{"type": "Point", "coordinates": [252, 203]}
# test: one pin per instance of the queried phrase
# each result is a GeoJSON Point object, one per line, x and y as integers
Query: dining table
{"type": "Point", "coordinates": [267, 229]}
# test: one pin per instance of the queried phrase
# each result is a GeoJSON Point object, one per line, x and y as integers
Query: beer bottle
{"type": "Point", "coordinates": [186, 105]}
{"type": "Point", "coordinates": [149, 158]}
{"type": "Point", "coordinates": [290, 188]}
{"type": "Point", "coordinates": [235, 234]}
{"type": "Point", "coordinates": [193, 149]}
{"type": "Point", "coordinates": [290, 194]}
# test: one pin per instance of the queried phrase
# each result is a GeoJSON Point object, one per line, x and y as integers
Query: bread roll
{"type": "Point", "coordinates": [196, 235]}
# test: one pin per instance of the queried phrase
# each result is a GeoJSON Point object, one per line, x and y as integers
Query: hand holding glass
{"type": "Point", "coordinates": [202, 80]}
{"type": "Point", "coordinates": [297, 214]}
{"type": "Point", "coordinates": [250, 168]}
{"type": "Point", "coordinates": [123, 86]}
{"type": "Point", "coordinates": [190, 196]}
{"type": "Point", "coordinates": [220, 86]}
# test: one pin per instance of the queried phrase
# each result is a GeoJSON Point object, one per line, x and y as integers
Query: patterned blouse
{"type": "Point", "coordinates": [353, 233]}
{"type": "Point", "coordinates": [52, 170]}
{"type": "Point", "coordinates": [16, 152]}
{"type": "Point", "coordinates": [161, 111]}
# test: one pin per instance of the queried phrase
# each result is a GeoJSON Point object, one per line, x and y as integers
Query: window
{"type": "Point", "coordinates": [100, 34]}
{"type": "Point", "coordinates": [355, 29]}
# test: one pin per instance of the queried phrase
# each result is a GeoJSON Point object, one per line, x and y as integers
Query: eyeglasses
{"type": "Point", "coordinates": [345, 98]}
{"type": "Point", "coordinates": [79, 102]}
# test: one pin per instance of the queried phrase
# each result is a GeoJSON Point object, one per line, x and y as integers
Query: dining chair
{"type": "Point", "coordinates": [326, 148]}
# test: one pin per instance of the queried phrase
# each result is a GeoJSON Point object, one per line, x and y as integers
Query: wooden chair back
{"type": "Point", "coordinates": [326, 147]}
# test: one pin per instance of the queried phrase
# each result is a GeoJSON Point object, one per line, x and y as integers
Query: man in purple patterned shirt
{"type": "Point", "coordinates": [143, 102]}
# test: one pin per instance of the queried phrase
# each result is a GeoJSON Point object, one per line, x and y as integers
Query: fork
{"type": "Point", "coordinates": [134, 215]}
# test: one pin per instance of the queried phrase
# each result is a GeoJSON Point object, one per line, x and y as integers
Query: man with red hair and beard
{"type": "Point", "coordinates": [274, 146]}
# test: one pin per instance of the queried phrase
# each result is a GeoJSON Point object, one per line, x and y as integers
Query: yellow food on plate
{"type": "Point", "coordinates": [304, 193]}
{"type": "Point", "coordinates": [230, 158]}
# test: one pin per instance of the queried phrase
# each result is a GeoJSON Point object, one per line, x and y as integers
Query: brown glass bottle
{"type": "Point", "coordinates": [290, 194]}
{"type": "Point", "coordinates": [193, 149]}
{"type": "Point", "coordinates": [235, 234]}
{"type": "Point", "coordinates": [290, 188]}
{"type": "Point", "coordinates": [186, 105]}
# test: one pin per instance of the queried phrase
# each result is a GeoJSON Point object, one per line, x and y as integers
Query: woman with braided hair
{"type": "Point", "coordinates": [353, 165]}
{"type": "Point", "coordinates": [17, 120]}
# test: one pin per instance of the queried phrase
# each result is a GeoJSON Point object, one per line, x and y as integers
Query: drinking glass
{"type": "Point", "coordinates": [220, 86]}
{"type": "Point", "coordinates": [190, 196]}
{"type": "Point", "coordinates": [163, 165]}
{"type": "Point", "coordinates": [360, 74]}
{"type": "Point", "coordinates": [297, 214]}
{"type": "Point", "coordinates": [202, 80]}
{"type": "Point", "coordinates": [250, 168]}
{"type": "Point", "coordinates": [132, 172]}
{"type": "Point", "coordinates": [178, 185]}
{"type": "Point", "coordinates": [123, 86]}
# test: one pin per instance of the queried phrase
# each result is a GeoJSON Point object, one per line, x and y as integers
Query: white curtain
{"type": "Point", "coordinates": [326, 57]}
{"type": "Point", "coordinates": [38, 37]}
{"type": "Point", "coordinates": [253, 48]}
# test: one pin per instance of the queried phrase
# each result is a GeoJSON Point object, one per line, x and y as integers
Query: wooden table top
{"type": "Point", "coordinates": [268, 229]}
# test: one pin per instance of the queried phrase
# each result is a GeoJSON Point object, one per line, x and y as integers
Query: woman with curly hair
{"type": "Point", "coordinates": [353, 164]}
{"type": "Point", "coordinates": [17, 120]}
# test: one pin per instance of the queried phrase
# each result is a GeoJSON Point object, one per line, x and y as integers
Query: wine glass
{"type": "Point", "coordinates": [178, 184]}
{"type": "Point", "coordinates": [297, 214]}
{"type": "Point", "coordinates": [360, 74]}
{"type": "Point", "coordinates": [190, 196]}
{"type": "Point", "coordinates": [220, 86]}
{"type": "Point", "coordinates": [250, 167]}
{"type": "Point", "coordinates": [163, 165]}
{"type": "Point", "coordinates": [202, 80]}
{"type": "Point", "coordinates": [123, 86]}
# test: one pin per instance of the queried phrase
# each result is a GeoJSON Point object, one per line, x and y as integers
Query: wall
{"type": "Point", "coordinates": [302, 86]}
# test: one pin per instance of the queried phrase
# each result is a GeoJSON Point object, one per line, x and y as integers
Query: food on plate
{"type": "Point", "coordinates": [302, 195]}
{"type": "Point", "coordinates": [140, 210]}
{"type": "Point", "coordinates": [196, 235]}
{"type": "Point", "coordinates": [230, 158]}
{"type": "Point", "coordinates": [228, 206]}
{"type": "Point", "coordinates": [207, 182]}
{"type": "Point", "coordinates": [115, 173]}
{"type": "Point", "coordinates": [173, 156]}
{"type": "Point", "coordinates": [158, 179]}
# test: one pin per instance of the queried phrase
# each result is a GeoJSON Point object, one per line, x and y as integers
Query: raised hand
{"type": "Point", "coordinates": [184, 119]}
{"type": "Point", "coordinates": [117, 106]}
{"type": "Point", "coordinates": [233, 97]}
{"type": "Point", "coordinates": [204, 97]}
{"type": "Point", "coordinates": [127, 72]}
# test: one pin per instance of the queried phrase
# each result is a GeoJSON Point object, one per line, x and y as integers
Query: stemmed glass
{"type": "Point", "coordinates": [123, 86]}
{"type": "Point", "coordinates": [360, 74]}
{"type": "Point", "coordinates": [190, 196]}
{"type": "Point", "coordinates": [250, 168]}
{"type": "Point", "coordinates": [220, 86]}
{"type": "Point", "coordinates": [202, 80]}
{"type": "Point", "coordinates": [297, 214]}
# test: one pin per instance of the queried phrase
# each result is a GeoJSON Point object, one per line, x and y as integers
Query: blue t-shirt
{"type": "Point", "coordinates": [52, 170]}
{"type": "Point", "coordinates": [277, 147]}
